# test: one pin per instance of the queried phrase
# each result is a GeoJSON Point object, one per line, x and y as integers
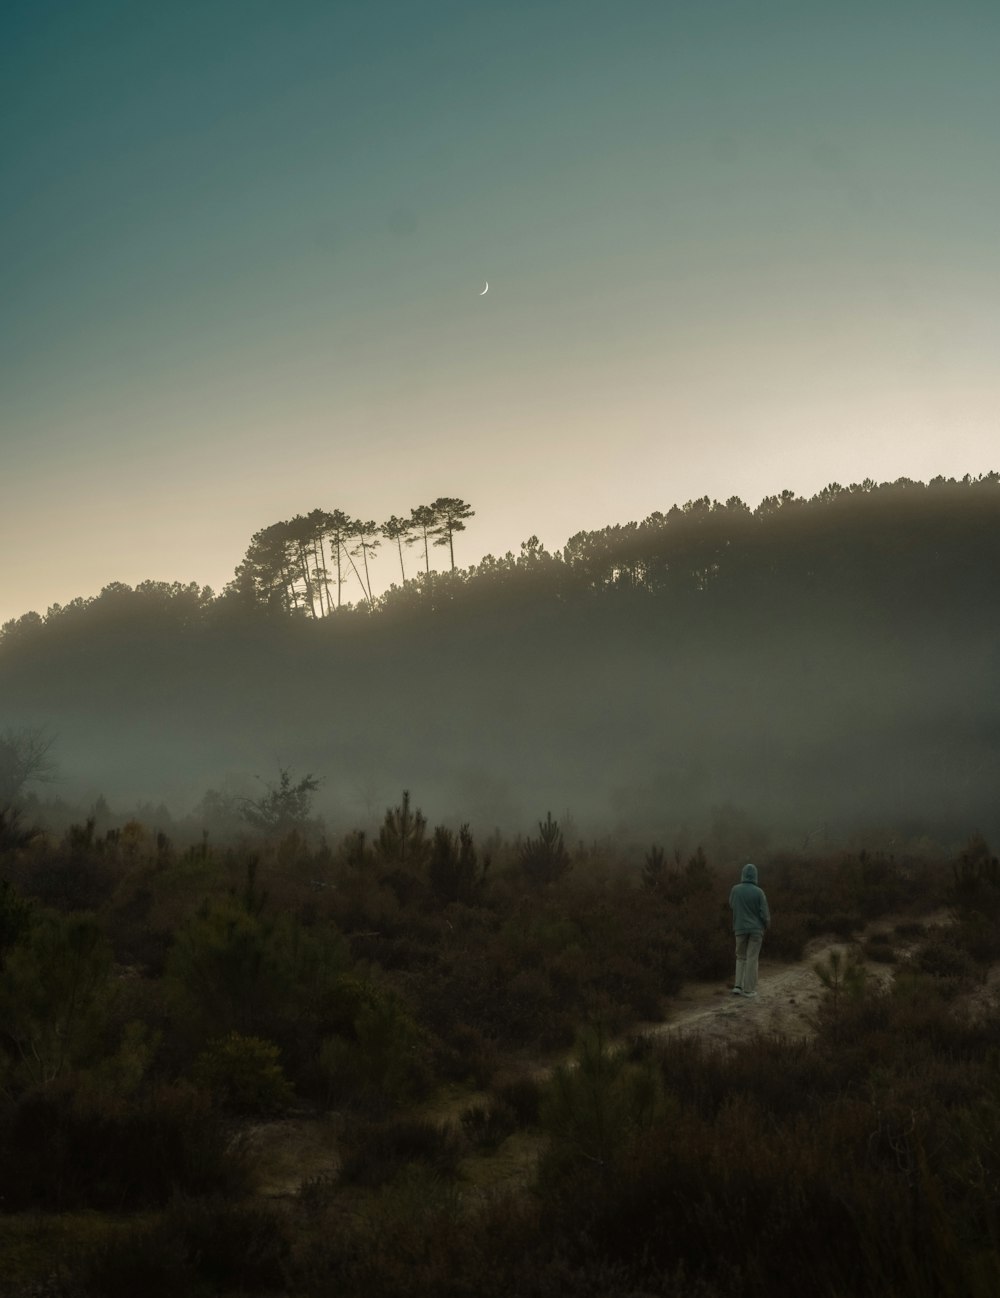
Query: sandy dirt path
{"type": "Point", "coordinates": [786, 1001]}
{"type": "Point", "coordinates": [788, 995]}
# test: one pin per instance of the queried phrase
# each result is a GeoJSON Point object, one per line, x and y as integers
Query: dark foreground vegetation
{"type": "Point", "coordinates": [158, 1004]}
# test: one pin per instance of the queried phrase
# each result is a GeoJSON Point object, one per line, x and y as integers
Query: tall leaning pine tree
{"type": "Point", "coordinates": [338, 530]}
{"type": "Point", "coordinates": [449, 513]}
{"type": "Point", "coordinates": [399, 530]}
{"type": "Point", "coordinates": [424, 522]}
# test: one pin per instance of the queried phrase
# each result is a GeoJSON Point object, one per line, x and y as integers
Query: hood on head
{"type": "Point", "coordinates": [749, 874]}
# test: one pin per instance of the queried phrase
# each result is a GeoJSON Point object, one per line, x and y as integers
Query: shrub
{"type": "Point", "coordinates": [316, 1193]}
{"type": "Point", "coordinates": [842, 924]}
{"type": "Point", "coordinates": [979, 935]}
{"type": "Point", "coordinates": [54, 997]}
{"type": "Point", "coordinates": [244, 1075]}
{"type": "Point", "coordinates": [843, 975]}
{"type": "Point", "coordinates": [379, 1056]}
{"type": "Point", "coordinates": [62, 1151]}
{"type": "Point", "coordinates": [878, 948]}
{"type": "Point", "coordinates": [375, 1152]}
{"type": "Point", "coordinates": [15, 917]}
{"type": "Point", "coordinates": [523, 1096]}
{"type": "Point", "coordinates": [592, 1109]}
{"type": "Point", "coordinates": [487, 1126]}
{"type": "Point", "coordinates": [787, 939]}
{"type": "Point", "coordinates": [976, 879]}
{"type": "Point", "coordinates": [147, 1259]}
{"type": "Point", "coordinates": [466, 1055]}
{"type": "Point", "coordinates": [942, 958]}
{"type": "Point", "coordinates": [199, 1247]}
{"type": "Point", "coordinates": [233, 1245]}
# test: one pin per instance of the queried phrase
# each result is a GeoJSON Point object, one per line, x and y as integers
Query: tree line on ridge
{"type": "Point", "coordinates": [886, 535]}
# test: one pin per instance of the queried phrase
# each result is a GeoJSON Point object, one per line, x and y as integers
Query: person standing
{"type": "Point", "coordinates": [751, 918]}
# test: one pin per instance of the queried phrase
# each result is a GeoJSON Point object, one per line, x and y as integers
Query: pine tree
{"type": "Point", "coordinates": [424, 521]}
{"type": "Point", "coordinates": [453, 870]}
{"type": "Point", "coordinates": [449, 512]}
{"type": "Point", "coordinates": [401, 839]}
{"type": "Point", "coordinates": [399, 530]}
{"type": "Point", "coordinates": [545, 858]}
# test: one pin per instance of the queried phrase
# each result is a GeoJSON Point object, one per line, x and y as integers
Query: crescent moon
{"type": "Point", "coordinates": [484, 290]}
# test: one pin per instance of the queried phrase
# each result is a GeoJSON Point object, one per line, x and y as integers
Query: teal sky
{"type": "Point", "coordinates": [731, 248]}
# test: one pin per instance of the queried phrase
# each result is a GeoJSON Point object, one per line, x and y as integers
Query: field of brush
{"type": "Point", "coordinates": [423, 1065]}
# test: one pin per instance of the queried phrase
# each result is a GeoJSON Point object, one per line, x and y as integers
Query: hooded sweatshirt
{"type": "Point", "coordinates": [748, 904]}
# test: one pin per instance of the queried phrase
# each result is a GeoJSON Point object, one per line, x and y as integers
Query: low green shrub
{"type": "Point", "coordinates": [842, 924]}
{"type": "Point", "coordinates": [466, 1055]}
{"type": "Point", "coordinates": [375, 1152]}
{"type": "Point", "coordinates": [149, 1259]}
{"type": "Point", "coordinates": [879, 949]}
{"type": "Point", "coordinates": [61, 1150]}
{"type": "Point", "coordinates": [197, 1247]}
{"type": "Point", "coordinates": [316, 1193]}
{"type": "Point", "coordinates": [523, 1096]}
{"type": "Point", "coordinates": [942, 957]}
{"type": "Point", "coordinates": [979, 935]}
{"type": "Point", "coordinates": [786, 939]}
{"type": "Point", "coordinates": [244, 1075]}
{"type": "Point", "coordinates": [487, 1126]}
{"type": "Point", "coordinates": [379, 1056]}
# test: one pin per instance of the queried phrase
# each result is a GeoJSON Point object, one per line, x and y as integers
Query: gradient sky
{"type": "Point", "coordinates": [731, 247]}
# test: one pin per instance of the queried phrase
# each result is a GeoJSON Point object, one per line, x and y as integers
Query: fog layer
{"type": "Point", "coordinates": [813, 667]}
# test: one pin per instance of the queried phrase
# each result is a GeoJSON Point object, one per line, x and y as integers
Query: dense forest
{"type": "Point", "coordinates": [811, 667]}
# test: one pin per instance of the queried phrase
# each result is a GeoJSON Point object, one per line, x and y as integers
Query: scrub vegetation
{"type": "Point", "coordinates": [161, 1005]}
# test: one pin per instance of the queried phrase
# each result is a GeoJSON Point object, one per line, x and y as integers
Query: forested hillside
{"type": "Point", "coordinates": [811, 666]}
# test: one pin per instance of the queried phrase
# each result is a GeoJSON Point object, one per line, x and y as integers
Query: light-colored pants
{"type": "Point", "coordinates": [747, 950]}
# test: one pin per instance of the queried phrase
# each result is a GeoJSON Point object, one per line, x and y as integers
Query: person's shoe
{"type": "Point", "coordinates": [737, 991]}
{"type": "Point", "coordinates": [748, 995]}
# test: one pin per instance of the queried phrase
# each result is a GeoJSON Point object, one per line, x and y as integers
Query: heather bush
{"type": "Point", "coordinates": [244, 1075]}
{"type": "Point", "coordinates": [197, 1247]}
{"type": "Point", "coordinates": [943, 957]}
{"type": "Point", "coordinates": [705, 921]}
{"type": "Point", "coordinates": [879, 949]}
{"type": "Point", "coordinates": [787, 937]}
{"type": "Point", "coordinates": [77, 875]}
{"type": "Point", "coordinates": [979, 935]}
{"type": "Point", "coordinates": [15, 918]}
{"type": "Point", "coordinates": [592, 1107]}
{"type": "Point", "coordinates": [54, 999]}
{"type": "Point", "coordinates": [522, 1094]}
{"type": "Point", "coordinates": [487, 1126]}
{"type": "Point", "coordinates": [62, 1149]}
{"type": "Point", "coordinates": [376, 1055]}
{"type": "Point", "coordinates": [146, 1258]}
{"type": "Point", "coordinates": [235, 968]}
{"type": "Point", "coordinates": [976, 879]}
{"type": "Point", "coordinates": [871, 884]}
{"type": "Point", "coordinates": [374, 1152]}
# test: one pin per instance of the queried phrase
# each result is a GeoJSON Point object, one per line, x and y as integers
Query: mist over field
{"type": "Point", "coordinates": [800, 673]}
